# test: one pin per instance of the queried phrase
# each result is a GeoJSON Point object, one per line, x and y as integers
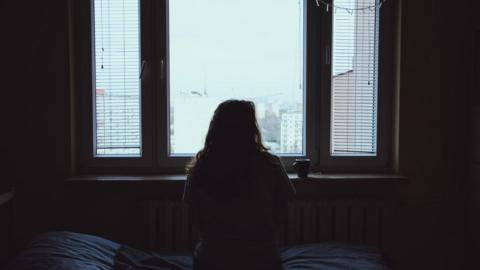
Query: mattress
{"type": "Point", "coordinates": [73, 251]}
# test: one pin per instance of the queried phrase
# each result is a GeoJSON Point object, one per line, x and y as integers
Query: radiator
{"type": "Point", "coordinates": [368, 222]}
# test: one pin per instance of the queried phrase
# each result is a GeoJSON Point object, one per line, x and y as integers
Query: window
{"type": "Point", "coordinates": [117, 124]}
{"type": "Point", "coordinates": [354, 80]}
{"type": "Point", "coordinates": [356, 99]}
{"type": "Point", "coordinates": [150, 73]}
{"type": "Point", "coordinates": [237, 53]}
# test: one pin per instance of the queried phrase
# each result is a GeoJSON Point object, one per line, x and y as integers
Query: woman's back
{"type": "Point", "coordinates": [242, 228]}
{"type": "Point", "coordinates": [237, 193]}
{"type": "Point", "coordinates": [252, 216]}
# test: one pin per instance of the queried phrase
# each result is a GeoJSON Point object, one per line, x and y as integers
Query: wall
{"type": "Point", "coordinates": [473, 203]}
{"type": "Point", "coordinates": [435, 61]}
{"type": "Point", "coordinates": [35, 110]}
{"type": "Point", "coordinates": [435, 65]}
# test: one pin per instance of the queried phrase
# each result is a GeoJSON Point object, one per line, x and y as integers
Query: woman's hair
{"type": "Point", "coordinates": [223, 166]}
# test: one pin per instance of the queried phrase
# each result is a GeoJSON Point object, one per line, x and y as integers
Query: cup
{"type": "Point", "coordinates": [302, 166]}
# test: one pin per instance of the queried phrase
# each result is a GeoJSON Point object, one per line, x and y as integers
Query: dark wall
{"type": "Point", "coordinates": [435, 72]}
{"type": "Point", "coordinates": [35, 109]}
{"type": "Point", "coordinates": [473, 203]}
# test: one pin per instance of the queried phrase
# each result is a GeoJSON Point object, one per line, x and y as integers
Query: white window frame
{"type": "Point", "coordinates": [154, 92]}
{"type": "Point", "coordinates": [381, 162]}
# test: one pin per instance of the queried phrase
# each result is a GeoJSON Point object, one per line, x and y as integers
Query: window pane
{"type": "Point", "coordinates": [354, 79]}
{"type": "Point", "coordinates": [245, 49]}
{"type": "Point", "coordinates": [117, 125]}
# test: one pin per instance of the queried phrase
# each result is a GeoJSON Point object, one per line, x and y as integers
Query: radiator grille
{"type": "Point", "coordinates": [366, 222]}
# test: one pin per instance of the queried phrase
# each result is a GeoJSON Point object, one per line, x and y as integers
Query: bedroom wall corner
{"type": "Point", "coordinates": [36, 111]}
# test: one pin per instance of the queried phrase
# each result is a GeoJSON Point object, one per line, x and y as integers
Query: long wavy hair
{"type": "Point", "coordinates": [223, 168]}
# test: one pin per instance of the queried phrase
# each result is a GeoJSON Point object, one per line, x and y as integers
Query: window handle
{"type": "Point", "coordinates": [327, 55]}
{"type": "Point", "coordinates": [144, 62]}
{"type": "Point", "coordinates": [162, 69]}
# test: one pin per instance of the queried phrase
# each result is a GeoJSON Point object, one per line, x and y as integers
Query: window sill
{"type": "Point", "coordinates": [333, 186]}
{"type": "Point", "coordinates": [317, 177]}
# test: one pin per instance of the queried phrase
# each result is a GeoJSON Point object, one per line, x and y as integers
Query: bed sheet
{"type": "Point", "coordinates": [74, 251]}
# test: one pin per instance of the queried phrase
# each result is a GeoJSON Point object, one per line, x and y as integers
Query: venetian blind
{"type": "Point", "coordinates": [354, 78]}
{"type": "Point", "coordinates": [117, 122]}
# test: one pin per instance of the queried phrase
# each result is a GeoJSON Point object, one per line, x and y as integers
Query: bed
{"type": "Point", "coordinates": [72, 251]}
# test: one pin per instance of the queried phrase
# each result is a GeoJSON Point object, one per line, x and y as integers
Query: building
{"type": "Point", "coordinates": [291, 132]}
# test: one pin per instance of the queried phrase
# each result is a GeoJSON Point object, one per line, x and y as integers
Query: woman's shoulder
{"type": "Point", "coordinates": [269, 159]}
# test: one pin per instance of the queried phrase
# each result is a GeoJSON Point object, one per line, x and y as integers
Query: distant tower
{"type": "Point", "coordinates": [205, 86]}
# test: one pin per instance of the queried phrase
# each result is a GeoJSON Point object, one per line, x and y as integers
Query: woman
{"type": "Point", "coordinates": [237, 193]}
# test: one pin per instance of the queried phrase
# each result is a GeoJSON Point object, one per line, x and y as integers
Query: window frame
{"type": "Point", "coordinates": [84, 77]}
{"type": "Point", "coordinates": [154, 95]}
{"type": "Point", "coordinates": [171, 164]}
{"type": "Point", "coordinates": [382, 161]}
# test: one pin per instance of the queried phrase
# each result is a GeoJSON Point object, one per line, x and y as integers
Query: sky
{"type": "Point", "coordinates": [236, 47]}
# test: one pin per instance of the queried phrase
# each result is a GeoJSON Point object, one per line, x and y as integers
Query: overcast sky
{"type": "Point", "coordinates": [236, 46]}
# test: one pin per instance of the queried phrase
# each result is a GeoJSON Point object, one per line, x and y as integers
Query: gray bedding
{"type": "Point", "coordinates": [73, 251]}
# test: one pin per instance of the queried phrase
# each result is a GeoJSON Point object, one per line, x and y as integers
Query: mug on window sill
{"type": "Point", "coordinates": [302, 166]}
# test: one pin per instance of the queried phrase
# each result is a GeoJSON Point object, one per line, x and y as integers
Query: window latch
{"type": "Point", "coordinates": [162, 69]}
{"type": "Point", "coordinates": [142, 69]}
{"type": "Point", "coordinates": [327, 55]}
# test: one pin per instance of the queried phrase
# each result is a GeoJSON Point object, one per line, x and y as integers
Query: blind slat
{"type": "Point", "coordinates": [117, 86]}
{"type": "Point", "coordinates": [354, 79]}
